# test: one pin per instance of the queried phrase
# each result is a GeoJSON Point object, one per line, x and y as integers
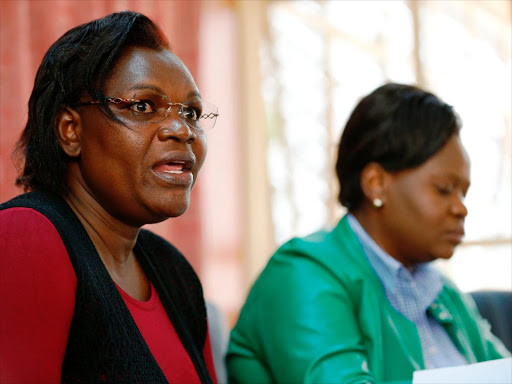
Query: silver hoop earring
{"type": "Point", "coordinates": [377, 203]}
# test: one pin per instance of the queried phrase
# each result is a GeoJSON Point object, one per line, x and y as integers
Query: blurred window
{"type": "Point", "coordinates": [321, 57]}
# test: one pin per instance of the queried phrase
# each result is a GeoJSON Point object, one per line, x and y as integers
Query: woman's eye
{"type": "Point", "coordinates": [444, 189]}
{"type": "Point", "coordinates": [190, 113]}
{"type": "Point", "coordinates": [142, 107]}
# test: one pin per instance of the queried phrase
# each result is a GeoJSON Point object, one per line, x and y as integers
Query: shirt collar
{"type": "Point", "coordinates": [392, 273]}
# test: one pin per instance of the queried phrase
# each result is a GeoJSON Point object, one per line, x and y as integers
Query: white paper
{"type": "Point", "coordinates": [489, 372]}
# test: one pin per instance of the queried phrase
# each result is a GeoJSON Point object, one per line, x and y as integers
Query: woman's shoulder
{"type": "Point", "coordinates": [29, 238]}
{"type": "Point", "coordinates": [315, 246]}
{"type": "Point", "coordinates": [39, 200]}
{"type": "Point", "coordinates": [324, 261]}
{"type": "Point", "coordinates": [20, 223]}
{"type": "Point", "coordinates": [337, 241]}
{"type": "Point", "coordinates": [329, 250]}
{"type": "Point", "coordinates": [298, 257]}
{"type": "Point", "coordinates": [38, 207]}
{"type": "Point", "coordinates": [32, 217]}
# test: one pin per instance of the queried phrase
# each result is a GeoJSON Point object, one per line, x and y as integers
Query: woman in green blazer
{"type": "Point", "coordinates": [361, 303]}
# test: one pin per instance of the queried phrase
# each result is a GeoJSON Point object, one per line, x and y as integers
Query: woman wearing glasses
{"type": "Point", "coordinates": [115, 139]}
{"type": "Point", "coordinates": [361, 303]}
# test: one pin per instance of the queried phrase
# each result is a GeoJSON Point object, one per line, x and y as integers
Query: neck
{"type": "Point", "coordinates": [113, 239]}
{"type": "Point", "coordinates": [371, 220]}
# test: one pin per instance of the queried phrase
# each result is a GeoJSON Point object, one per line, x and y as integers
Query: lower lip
{"type": "Point", "coordinates": [454, 237]}
{"type": "Point", "coordinates": [184, 178]}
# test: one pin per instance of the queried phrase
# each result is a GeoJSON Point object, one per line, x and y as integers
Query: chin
{"type": "Point", "coordinates": [171, 204]}
{"type": "Point", "coordinates": [445, 254]}
{"type": "Point", "coordinates": [178, 212]}
{"type": "Point", "coordinates": [176, 207]}
{"type": "Point", "coordinates": [162, 210]}
{"type": "Point", "coordinates": [164, 215]}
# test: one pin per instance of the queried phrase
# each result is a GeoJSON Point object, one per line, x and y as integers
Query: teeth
{"type": "Point", "coordinates": [174, 172]}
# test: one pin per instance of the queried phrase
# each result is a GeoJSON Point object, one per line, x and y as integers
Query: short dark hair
{"type": "Point", "coordinates": [77, 64]}
{"type": "Point", "coordinates": [397, 126]}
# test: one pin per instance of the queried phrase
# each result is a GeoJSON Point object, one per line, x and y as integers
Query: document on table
{"type": "Point", "coordinates": [489, 372]}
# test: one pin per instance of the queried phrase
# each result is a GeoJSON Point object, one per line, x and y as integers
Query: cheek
{"type": "Point", "coordinates": [113, 157]}
{"type": "Point", "coordinates": [417, 213]}
{"type": "Point", "coordinates": [420, 208]}
{"type": "Point", "coordinates": [424, 213]}
{"type": "Point", "coordinates": [432, 209]}
{"type": "Point", "coordinates": [428, 228]}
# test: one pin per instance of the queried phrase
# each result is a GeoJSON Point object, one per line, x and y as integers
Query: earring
{"type": "Point", "coordinates": [377, 203]}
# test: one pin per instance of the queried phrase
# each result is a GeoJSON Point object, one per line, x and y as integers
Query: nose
{"type": "Point", "coordinates": [458, 208]}
{"type": "Point", "coordinates": [177, 130]}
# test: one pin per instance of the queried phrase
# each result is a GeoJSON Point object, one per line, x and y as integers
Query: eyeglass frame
{"type": "Point", "coordinates": [119, 100]}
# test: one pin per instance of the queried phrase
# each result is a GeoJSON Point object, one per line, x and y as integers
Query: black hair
{"type": "Point", "coordinates": [397, 126]}
{"type": "Point", "coordinates": [77, 64]}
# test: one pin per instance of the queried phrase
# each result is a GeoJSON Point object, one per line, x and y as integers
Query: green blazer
{"type": "Point", "coordinates": [318, 313]}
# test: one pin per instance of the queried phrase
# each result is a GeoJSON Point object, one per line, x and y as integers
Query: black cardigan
{"type": "Point", "coordinates": [104, 343]}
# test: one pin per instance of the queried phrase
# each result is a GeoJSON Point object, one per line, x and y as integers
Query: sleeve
{"type": "Point", "coordinates": [493, 347]}
{"type": "Point", "coordinates": [303, 322]}
{"type": "Point", "coordinates": [37, 296]}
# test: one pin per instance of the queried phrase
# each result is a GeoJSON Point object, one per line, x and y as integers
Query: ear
{"type": "Point", "coordinates": [374, 182]}
{"type": "Point", "coordinates": [69, 129]}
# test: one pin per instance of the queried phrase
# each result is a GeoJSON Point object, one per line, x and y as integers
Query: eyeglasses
{"type": "Point", "coordinates": [154, 108]}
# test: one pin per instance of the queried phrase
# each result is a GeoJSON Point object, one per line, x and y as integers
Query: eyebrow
{"type": "Point", "coordinates": [155, 88]}
{"type": "Point", "coordinates": [454, 176]}
{"type": "Point", "coordinates": [147, 86]}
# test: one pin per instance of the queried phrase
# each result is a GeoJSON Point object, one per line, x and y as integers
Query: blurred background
{"type": "Point", "coordinates": [285, 76]}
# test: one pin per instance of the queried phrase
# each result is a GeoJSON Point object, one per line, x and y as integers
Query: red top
{"type": "Point", "coordinates": [37, 301]}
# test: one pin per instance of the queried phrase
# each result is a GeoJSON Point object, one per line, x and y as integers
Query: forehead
{"type": "Point", "coordinates": [140, 66]}
{"type": "Point", "coordinates": [452, 160]}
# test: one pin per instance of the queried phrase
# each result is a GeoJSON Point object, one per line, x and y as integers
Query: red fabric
{"type": "Point", "coordinates": [163, 341]}
{"type": "Point", "coordinates": [37, 288]}
{"type": "Point", "coordinates": [37, 299]}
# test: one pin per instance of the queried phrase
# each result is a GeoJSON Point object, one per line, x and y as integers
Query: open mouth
{"type": "Point", "coordinates": [175, 167]}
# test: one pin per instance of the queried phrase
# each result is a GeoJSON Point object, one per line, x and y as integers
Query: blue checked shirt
{"type": "Point", "coordinates": [411, 294]}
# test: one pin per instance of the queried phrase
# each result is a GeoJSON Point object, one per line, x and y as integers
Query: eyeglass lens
{"type": "Point", "coordinates": [154, 108]}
